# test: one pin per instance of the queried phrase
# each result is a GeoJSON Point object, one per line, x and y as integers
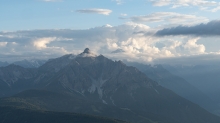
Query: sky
{"type": "Point", "coordinates": [145, 31]}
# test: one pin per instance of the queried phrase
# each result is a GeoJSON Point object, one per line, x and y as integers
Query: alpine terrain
{"type": "Point", "coordinates": [95, 85]}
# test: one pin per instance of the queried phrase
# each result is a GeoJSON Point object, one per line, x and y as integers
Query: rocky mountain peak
{"type": "Point", "coordinates": [87, 53]}
{"type": "Point", "coordinates": [87, 50]}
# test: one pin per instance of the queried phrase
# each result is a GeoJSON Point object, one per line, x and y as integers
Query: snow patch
{"type": "Point", "coordinates": [104, 102]}
{"type": "Point", "coordinates": [113, 102]}
{"type": "Point", "coordinates": [97, 85]}
{"type": "Point", "coordinates": [156, 91]}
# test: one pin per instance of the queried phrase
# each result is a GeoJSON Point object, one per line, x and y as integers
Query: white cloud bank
{"type": "Point", "coordinates": [131, 41]}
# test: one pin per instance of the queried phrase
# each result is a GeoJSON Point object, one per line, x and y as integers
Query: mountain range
{"type": "Point", "coordinates": [95, 85]}
{"type": "Point", "coordinates": [25, 63]}
{"type": "Point", "coordinates": [177, 84]}
{"type": "Point", "coordinates": [204, 77]}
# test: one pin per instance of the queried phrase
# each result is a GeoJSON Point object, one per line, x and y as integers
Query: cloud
{"type": "Point", "coordinates": [118, 51]}
{"type": "Point", "coordinates": [211, 28]}
{"type": "Point", "coordinates": [3, 44]}
{"type": "Point", "coordinates": [160, 2]}
{"type": "Point", "coordinates": [130, 41]}
{"type": "Point", "coordinates": [124, 15]}
{"type": "Point", "coordinates": [102, 40]}
{"type": "Point", "coordinates": [215, 9]}
{"type": "Point", "coordinates": [202, 4]}
{"type": "Point", "coordinates": [169, 17]}
{"type": "Point", "coordinates": [95, 11]}
{"type": "Point", "coordinates": [194, 48]}
{"type": "Point", "coordinates": [119, 2]}
{"type": "Point", "coordinates": [42, 42]}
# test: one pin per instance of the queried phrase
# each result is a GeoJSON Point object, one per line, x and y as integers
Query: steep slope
{"type": "Point", "coordinates": [50, 69]}
{"type": "Point", "coordinates": [176, 84]}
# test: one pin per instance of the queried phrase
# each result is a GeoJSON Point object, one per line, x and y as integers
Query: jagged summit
{"type": "Point", "coordinates": [87, 53]}
{"type": "Point", "coordinates": [87, 50]}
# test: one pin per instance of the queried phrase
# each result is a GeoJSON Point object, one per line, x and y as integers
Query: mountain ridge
{"type": "Point", "coordinates": [98, 85]}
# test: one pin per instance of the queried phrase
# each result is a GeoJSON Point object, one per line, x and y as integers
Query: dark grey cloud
{"type": "Point", "coordinates": [118, 51]}
{"type": "Point", "coordinates": [209, 29]}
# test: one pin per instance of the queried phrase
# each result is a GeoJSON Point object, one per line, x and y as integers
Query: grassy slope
{"type": "Point", "coordinates": [20, 115]}
{"type": "Point", "coordinates": [58, 102]}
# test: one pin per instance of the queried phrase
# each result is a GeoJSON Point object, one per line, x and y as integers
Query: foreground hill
{"type": "Point", "coordinates": [44, 100]}
{"type": "Point", "coordinates": [20, 115]}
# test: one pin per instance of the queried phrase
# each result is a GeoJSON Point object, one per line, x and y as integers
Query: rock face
{"type": "Point", "coordinates": [106, 87]}
{"type": "Point", "coordinates": [86, 51]}
{"type": "Point", "coordinates": [102, 78]}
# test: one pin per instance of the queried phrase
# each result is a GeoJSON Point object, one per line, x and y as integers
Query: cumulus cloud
{"type": "Point", "coordinates": [208, 29]}
{"type": "Point", "coordinates": [193, 47]}
{"type": "Point", "coordinates": [42, 42]}
{"type": "Point", "coordinates": [202, 4]}
{"type": "Point", "coordinates": [169, 17]}
{"type": "Point", "coordinates": [95, 11]}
